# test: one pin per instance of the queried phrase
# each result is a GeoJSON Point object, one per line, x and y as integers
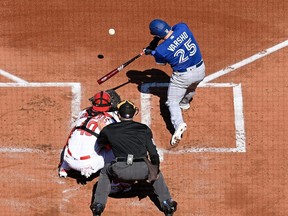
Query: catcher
{"type": "Point", "coordinates": [81, 152]}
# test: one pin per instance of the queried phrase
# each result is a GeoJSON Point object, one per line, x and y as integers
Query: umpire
{"type": "Point", "coordinates": [131, 143]}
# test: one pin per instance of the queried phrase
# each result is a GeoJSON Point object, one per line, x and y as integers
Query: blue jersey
{"type": "Point", "coordinates": [180, 50]}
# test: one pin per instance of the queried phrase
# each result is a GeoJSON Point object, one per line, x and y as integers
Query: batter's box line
{"type": "Point", "coordinates": [240, 137]}
{"type": "Point", "coordinates": [75, 90]}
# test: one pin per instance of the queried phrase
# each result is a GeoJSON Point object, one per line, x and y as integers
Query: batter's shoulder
{"type": "Point", "coordinates": [180, 24]}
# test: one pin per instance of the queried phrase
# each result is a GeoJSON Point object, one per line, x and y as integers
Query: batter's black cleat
{"type": "Point", "coordinates": [169, 207]}
{"type": "Point", "coordinates": [97, 208]}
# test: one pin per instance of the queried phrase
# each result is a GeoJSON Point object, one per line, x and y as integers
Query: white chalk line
{"type": "Point", "coordinates": [12, 77]}
{"type": "Point", "coordinates": [19, 150]}
{"type": "Point", "coordinates": [199, 150]}
{"type": "Point", "coordinates": [75, 109]}
{"type": "Point", "coordinates": [68, 194]}
{"type": "Point", "coordinates": [75, 89]}
{"type": "Point", "coordinates": [20, 83]}
{"type": "Point", "coordinates": [69, 190]}
{"type": "Point", "coordinates": [245, 62]}
{"type": "Point", "coordinates": [238, 119]}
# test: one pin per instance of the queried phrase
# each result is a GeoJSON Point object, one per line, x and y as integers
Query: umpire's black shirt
{"type": "Point", "coordinates": [129, 137]}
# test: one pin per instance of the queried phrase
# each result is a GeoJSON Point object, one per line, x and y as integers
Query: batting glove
{"type": "Point", "coordinates": [148, 51]}
{"type": "Point", "coordinates": [154, 43]}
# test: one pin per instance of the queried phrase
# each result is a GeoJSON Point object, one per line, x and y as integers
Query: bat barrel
{"type": "Point", "coordinates": [118, 69]}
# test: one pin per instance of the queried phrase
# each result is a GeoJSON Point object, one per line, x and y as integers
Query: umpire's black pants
{"type": "Point", "coordinates": [124, 172]}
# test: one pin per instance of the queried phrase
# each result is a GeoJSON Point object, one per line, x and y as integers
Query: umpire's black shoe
{"type": "Point", "coordinates": [169, 207]}
{"type": "Point", "coordinates": [97, 208]}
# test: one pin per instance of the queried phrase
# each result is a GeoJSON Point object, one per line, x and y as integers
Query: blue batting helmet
{"type": "Point", "coordinates": [159, 28]}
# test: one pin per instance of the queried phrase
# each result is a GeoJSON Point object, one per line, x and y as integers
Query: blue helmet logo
{"type": "Point", "coordinates": [159, 28]}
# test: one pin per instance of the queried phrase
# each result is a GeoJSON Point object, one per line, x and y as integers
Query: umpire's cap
{"type": "Point", "coordinates": [101, 101]}
{"type": "Point", "coordinates": [127, 109]}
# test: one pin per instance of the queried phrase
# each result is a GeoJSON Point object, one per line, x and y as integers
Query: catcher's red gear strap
{"type": "Point", "coordinates": [83, 126]}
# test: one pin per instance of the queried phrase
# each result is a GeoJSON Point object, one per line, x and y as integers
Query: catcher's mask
{"type": "Point", "coordinates": [127, 109]}
{"type": "Point", "coordinates": [101, 102]}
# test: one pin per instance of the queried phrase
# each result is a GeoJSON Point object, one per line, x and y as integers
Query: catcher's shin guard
{"type": "Point", "coordinates": [97, 209]}
{"type": "Point", "coordinates": [169, 207]}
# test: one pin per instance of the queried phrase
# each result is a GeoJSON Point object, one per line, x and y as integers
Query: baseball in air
{"type": "Point", "coordinates": [111, 31]}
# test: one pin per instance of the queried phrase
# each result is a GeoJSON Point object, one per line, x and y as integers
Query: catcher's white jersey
{"type": "Point", "coordinates": [82, 152]}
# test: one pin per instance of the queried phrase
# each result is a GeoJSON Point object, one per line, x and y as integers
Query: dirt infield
{"type": "Point", "coordinates": [232, 159]}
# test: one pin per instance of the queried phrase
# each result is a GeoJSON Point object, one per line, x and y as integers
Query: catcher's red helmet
{"type": "Point", "coordinates": [101, 101]}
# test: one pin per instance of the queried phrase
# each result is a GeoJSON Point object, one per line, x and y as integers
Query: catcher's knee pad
{"type": "Point", "coordinates": [97, 209]}
{"type": "Point", "coordinates": [169, 207]}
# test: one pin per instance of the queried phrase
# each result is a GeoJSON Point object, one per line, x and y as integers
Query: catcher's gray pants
{"type": "Point", "coordinates": [181, 89]}
{"type": "Point", "coordinates": [136, 171]}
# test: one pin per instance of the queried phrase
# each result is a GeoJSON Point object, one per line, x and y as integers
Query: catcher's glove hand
{"type": "Point", "coordinates": [87, 171]}
{"type": "Point", "coordinates": [115, 99]}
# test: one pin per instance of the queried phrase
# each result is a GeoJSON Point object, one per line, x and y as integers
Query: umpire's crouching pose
{"type": "Point", "coordinates": [130, 142]}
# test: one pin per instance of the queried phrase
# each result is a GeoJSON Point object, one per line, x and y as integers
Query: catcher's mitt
{"type": "Point", "coordinates": [115, 99]}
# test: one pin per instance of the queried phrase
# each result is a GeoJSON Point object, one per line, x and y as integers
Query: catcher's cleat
{"type": "Point", "coordinates": [97, 209]}
{"type": "Point", "coordinates": [177, 136]}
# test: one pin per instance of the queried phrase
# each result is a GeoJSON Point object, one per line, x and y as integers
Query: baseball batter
{"type": "Point", "coordinates": [81, 152]}
{"type": "Point", "coordinates": [181, 51]}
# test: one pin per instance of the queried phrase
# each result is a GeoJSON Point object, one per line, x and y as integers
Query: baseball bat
{"type": "Point", "coordinates": [118, 69]}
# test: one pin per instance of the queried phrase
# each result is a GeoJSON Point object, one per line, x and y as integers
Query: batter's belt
{"type": "Point", "coordinates": [192, 67]}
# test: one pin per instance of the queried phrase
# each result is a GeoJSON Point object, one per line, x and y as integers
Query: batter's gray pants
{"type": "Point", "coordinates": [182, 88]}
